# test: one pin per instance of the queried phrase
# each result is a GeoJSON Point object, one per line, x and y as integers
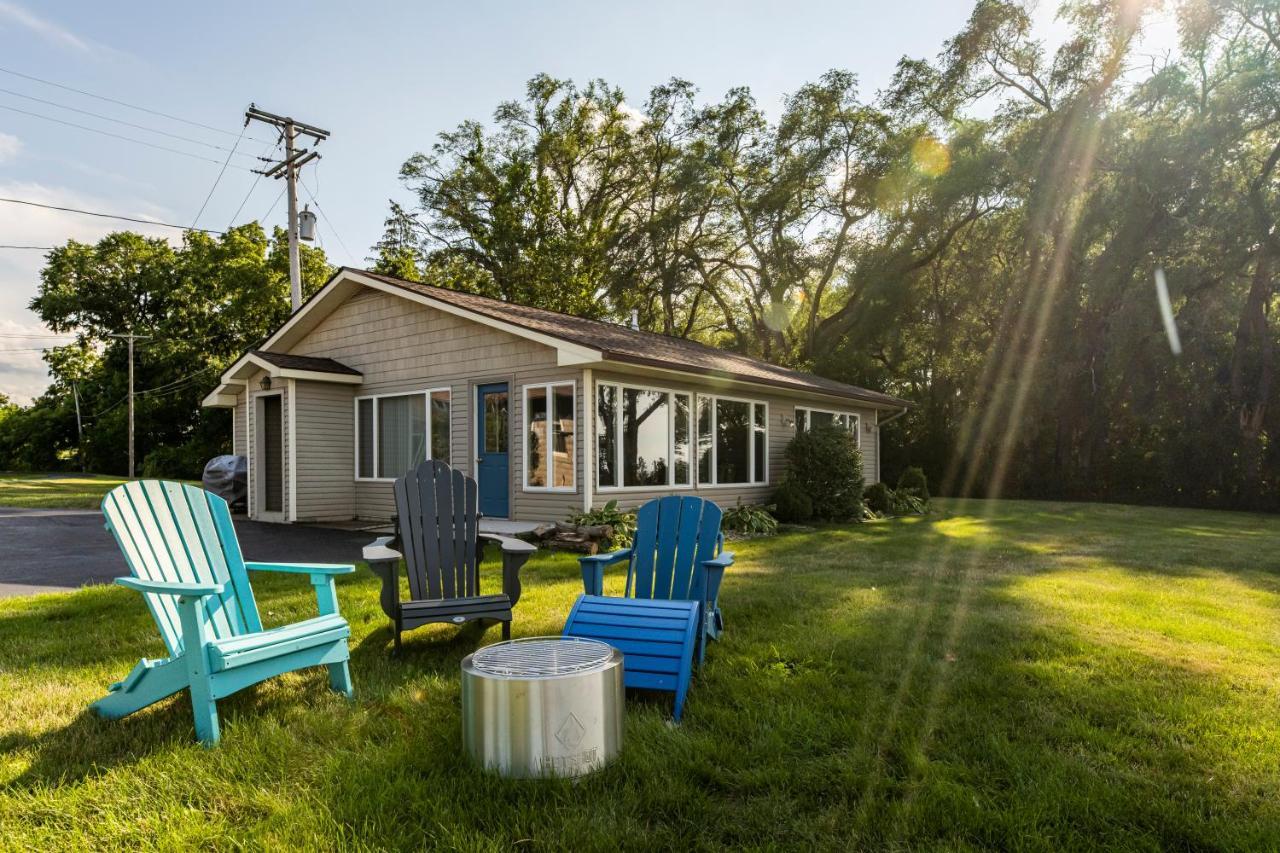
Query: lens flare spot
{"type": "Point", "coordinates": [930, 156]}
{"type": "Point", "coordinates": [777, 316]}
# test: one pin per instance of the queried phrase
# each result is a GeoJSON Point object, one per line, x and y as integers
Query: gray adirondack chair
{"type": "Point", "coordinates": [437, 537]}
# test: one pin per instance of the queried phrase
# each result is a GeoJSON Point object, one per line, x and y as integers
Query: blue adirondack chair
{"type": "Point", "coordinates": [677, 555]}
{"type": "Point", "coordinates": [181, 546]}
{"type": "Point", "coordinates": [671, 601]}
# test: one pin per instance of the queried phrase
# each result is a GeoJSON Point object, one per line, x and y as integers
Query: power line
{"type": "Point", "coordinates": [252, 187]}
{"type": "Point", "coordinates": [109, 215]}
{"type": "Point", "coordinates": [273, 205]}
{"type": "Point", "coordinates": [35, 335]}
{"type": "Point", "coordinates": [181, 379]}
{"type": "Point", "coordinates": [350, 256]}
{"type": "Point", "coordinates": [218, 179]}
{"type": "Point", "coordinates": [117, 136]}
{"type": "Point", "coordinates": [97, 415]}
{"type": "Point", "coordinates": [119, 102]}
{"type": "Point", "coordinates": [41, 248]}
{"type": "Point", "coordinates": [119, 121]}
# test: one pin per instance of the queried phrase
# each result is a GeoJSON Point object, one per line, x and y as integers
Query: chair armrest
{"type": "Point", "coordinates": [723, 560]}
{"type": "Point", "coordinates": [302, 568]}
{"type": "Point", "coordinates": [515, 553]}
{"type": "Point", "coordinates": [509, 544]}
{"type": "Point", "coordinates": [170, 587]}
{"type": "Point", "coordinates": [593, 569]}
{"type": "Point", "coordinates": [607, 559]}
{"type": "Point", "coordinates": [384, 561]}
{"type": "Point", "coordinates": [714, 569]}
{"type": "Point", "coordinates": [380, 549]}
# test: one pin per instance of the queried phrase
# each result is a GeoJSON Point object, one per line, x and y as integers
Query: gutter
{"type": "Point", "coordinates": [892, 417]}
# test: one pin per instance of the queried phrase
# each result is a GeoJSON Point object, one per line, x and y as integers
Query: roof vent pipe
{"type": "Point", "coordinates": [635, 319]}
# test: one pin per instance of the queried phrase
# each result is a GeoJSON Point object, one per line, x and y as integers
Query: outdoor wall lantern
{"type": "Point", "coordinates": [265, 384]}
{"type": "Point", "coordinates": [788, 422]}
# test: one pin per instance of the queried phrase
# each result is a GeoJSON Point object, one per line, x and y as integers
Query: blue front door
{"type": "Point", "coordinates": [493, 433]}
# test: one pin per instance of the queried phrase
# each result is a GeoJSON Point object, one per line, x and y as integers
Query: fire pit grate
{"type": "Point", "coordinates": [541, 657]}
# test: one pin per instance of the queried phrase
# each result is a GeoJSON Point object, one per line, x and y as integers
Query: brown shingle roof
{"type": "Point", "coordinates": [620, 343]}
{"type": "Point", "coordinates": [304, 362]}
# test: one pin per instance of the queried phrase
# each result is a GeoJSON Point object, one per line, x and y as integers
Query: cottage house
{"type": "Point", "coordinates": [549, 412]}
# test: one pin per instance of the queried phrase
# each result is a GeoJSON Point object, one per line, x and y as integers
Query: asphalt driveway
{"type": "Point", "coordinates": [50, 550]}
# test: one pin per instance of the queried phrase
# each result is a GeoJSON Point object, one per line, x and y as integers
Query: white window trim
{"type": "Point", "coordinates": [426, 394]}
{"type": "Point", "coordinates": [751, 445]}
{"type": "Point", "coordinates": [547, 387]}
{"type": "Point", "coordinates": [857, 420]}
{"type": "Point", "coordinates": [671, 438]}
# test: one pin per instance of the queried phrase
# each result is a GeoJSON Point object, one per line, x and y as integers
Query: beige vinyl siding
{"type": "Point", "coordinates": [779, 436]}
{"type": "Point", "coordinates": [325, 436]}
{"type": "Point", "coordinates": [240, 425]}
{"type": "Point", "coordinates": [254, 444]}
{"type": "Point", "coordinates": [400, 346]}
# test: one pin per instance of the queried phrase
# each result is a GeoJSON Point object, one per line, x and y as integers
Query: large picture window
{"type": "Point", "coordinates": [733, 441]}
{"type": "Point", "coordinates": [395, 432]}
{"type": "Point", "coordinates": [807, 418]}
{"type": "Point", "coordinates": [643, 437]}
{"type": "Point", "coordinates": [549, 446]}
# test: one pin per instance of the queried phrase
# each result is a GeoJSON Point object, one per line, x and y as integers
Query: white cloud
{"type": "Point", "coordinates": [46, 29]}
{"type": "Point", "coordinates": [22, 372]}
{"type": "Point", "coordinates": [9, 146]}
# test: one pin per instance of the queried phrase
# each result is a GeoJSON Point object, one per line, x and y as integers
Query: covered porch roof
{"type": "Point", "coordinates": [277, 365]}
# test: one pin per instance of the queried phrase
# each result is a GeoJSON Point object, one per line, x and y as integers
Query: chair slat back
{"type": "Point", "coordinates": [182, 534]}
{"type": "Point", "coordinates": [674, 534]}
{"type": "Point", "coordinates": [438, 512]}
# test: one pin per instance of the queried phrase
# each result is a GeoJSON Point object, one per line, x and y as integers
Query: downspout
{"type": "Point", "coordinates": [588, 439]}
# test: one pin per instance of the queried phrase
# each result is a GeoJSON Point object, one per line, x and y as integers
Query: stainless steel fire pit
{"type": "Point", "coordinates": [543, 706]}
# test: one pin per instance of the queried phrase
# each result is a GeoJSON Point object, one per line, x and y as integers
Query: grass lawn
{"type": "Point", "coordinates": [62, 491]}
{"type": "Point", "coordinates": [1024, 675]}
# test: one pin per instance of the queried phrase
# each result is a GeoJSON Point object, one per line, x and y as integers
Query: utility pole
{"type": "Point", "coordinates": [75, 392]}
{"type": "Point", "coordinates": [294, 159]}
{"type": "Point", "coordinates": [131, 337]}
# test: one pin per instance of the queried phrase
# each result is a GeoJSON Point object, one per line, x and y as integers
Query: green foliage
{"type": "Point", "coordinates": [623, 523]}
{"type": "Point", "coordinates": [882, 500]}
{"type": "Point", "coordinates": [913, 482]}
{"type": "Point", "coordinates": [177, 462]}
{"type": "Point", "coordinates": [201, 304]}
{"type": "Point", "coordinates": [826, 464]}
{"type": "Point", "coordinates": [980, 236]}
{"type": "Point", "coordinates": [792, 503]}
{"type": "Point", "coordinates": [905, 503]}
{"type": "Point", "coordinates": [749, 520]}
{"type": "Point", "coordinates": [879, 498]}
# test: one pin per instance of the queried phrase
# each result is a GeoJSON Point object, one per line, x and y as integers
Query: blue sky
{"type": "Point", "coordinates": [383, 78]}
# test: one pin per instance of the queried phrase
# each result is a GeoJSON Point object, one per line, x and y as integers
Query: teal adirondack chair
{"type": "Point", "coordinates": [677, 555]}
{"type": "Point", "coordinates": [181, 546]}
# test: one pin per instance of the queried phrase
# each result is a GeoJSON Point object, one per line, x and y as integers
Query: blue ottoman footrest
{"type": "Point", "coordinates": [657, 638]}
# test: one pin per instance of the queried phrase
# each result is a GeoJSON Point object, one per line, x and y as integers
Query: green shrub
{"type": "Point", "coordinates": [178, 462]}
{"type": "Point", "coordinates": [879, 498]}
{"type": "Point", "coordinates": [623, 523]}
{"type": "Point", "coordinates": [913, 482]}
{"type": "Point", "coordinates": [791, 503]}
{"type": "Point", "coordinates": [749, 519]}
{"type": "Point", "coordinates": [826, 465]}
{"type": "Point", "coordinates": [905, 503]}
